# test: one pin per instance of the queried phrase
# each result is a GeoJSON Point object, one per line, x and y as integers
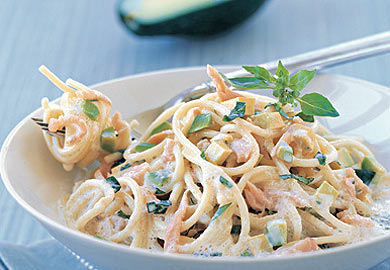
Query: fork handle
{"type": "Point", "coordinates": [317, 59]}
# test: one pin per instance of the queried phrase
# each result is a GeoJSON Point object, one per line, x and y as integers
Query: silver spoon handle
{"type": "Point", "coordinates": [331, 56]}
{"type": "Point", "coordinates": [318, 59]}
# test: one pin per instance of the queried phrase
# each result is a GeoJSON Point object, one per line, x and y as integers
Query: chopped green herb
{"type": "Point", "coordinates": [203, 155]}
{"type": "Point", "coordinates": [225, 182]}
{"type": "Point", "coordinates": [163, 126]}
{"type": "Point", "coordinates": [359, 191]}
{"type": "Point", "coordinates": [98, 237]}
{"type": "Point", "coordinates": [143, 146]}
{"type": "Point", "coordinates": [159, 177]}
{"type": "Point", "coordinates": [236, 229]}
{"type": "Point", "coordinates": [246, 253]}
{"type": "Point", "coordinates": [270, 212]}
{"type": "Point", "coordinates": [365, 175]}
{"type": "Point", "coordinates": [159, 191]}
{"type": "Point", "coordinates": [278, 109]}
{"type": "Point", "coordinates": [108, 139]}
{"type": "Point", "coordinates": [126, 166]}
{"type": "Point", "coordinates": [200, 122]}
{"type": "Point", "coordinates": [318, 202]}
{"type": "Point", "coordinates": [90, 109]}
{"type": "Point", "coordinates": [297, 177]}
{"type": "Point", "coordinates": [213, 254]}
{"type": "Point", "coordinates": [122, 150]}
{"type": "Point", "coordinates": [238, 111]}
{"type": "Point", "coordinates": [93, 100]}
{"type": "Point", "coordinates": [220, 211]}
{"type": "Point", "coordinates": [114, 183]}
{"type": "Point", "coordinates": [321, 158]}
{"type": "Point", "coordinates": [158, 207]}
{"type": "Point", "coordinates": [121, 214]}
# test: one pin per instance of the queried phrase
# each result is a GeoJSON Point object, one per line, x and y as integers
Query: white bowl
{"type": "Point", "coordinates": [37, 181]}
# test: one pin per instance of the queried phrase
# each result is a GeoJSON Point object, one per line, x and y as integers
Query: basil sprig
{"type": "Point", "coordinates": [288, 90]}
{"type": "Point", "coordinates": [302, 179]}
{"type": "Point", "coordinates": [238, 111]}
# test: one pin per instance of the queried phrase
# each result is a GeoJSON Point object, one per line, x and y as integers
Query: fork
{"type": "Point", "coordinates": [318, 59]}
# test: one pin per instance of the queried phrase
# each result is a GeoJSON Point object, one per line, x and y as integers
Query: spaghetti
{"type": "Point", "coordinates": [224, 175]}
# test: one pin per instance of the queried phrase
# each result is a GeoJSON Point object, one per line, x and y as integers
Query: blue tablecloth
{"type": "Point", "coordinates": [84, 40]}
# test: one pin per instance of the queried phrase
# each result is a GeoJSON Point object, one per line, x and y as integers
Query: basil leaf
{"type": "Point", "coordinates": [159, 177]}
{"type": "Point", "coordinates": [260, 73]}
{"type": "Point", "coordinates": [365, 175]}
{"type": "Point", "coordinates": [98, 237]}
{"type": "Point", "coordinates": [93, 100]}
{"type": "Point", "coordinates": [278, 109]}
{"type": "Point", "coordinates": [114, 183]}
{"type": "Point", "coordinates": [238, 111]}
{"type": "Point", "coordinates": [203, 155]}
{"type": "Point", "coordinates": [246, 82]}
{"type": "Point", "coordinates": [305, 117]}
{"type": "Point", "coordinates": [236, 229]}
{"type": "Point", "coordinates": [302, 179]}
{"type": "Point", "coordinates": [317, 104]}
{"type": "Point", "coordinates": [201, 121]}
{"type": "Point", "coordinates": [220, 211]}
{"type": "Point", "coordinates": [143, 146]}
{"type": "Point", "coordinates": [301, 79]}
{"type": "Point", "coordinates": [121, 214]}
{"type": "Point", "coordinates": [126, 166]}
{"type": "Point", "coordinates": [90, 109]}
{"type": "Point", "coordinates": [163, 126]}
{"type": "Point", "coordinates": [283, 75]}
{"type": "Point", "coordinates": [321, 158]}
{"type": "Point", "coordinates": [225, 182]}
{"type": "Point", "coordinates": [158, 207]}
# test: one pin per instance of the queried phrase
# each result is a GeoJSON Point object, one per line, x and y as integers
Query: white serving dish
{"type": "Point", "coordinates": [37, 181]}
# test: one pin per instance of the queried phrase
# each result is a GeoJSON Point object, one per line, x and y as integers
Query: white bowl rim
{"type": "Point", "coordinates": [148, 253]}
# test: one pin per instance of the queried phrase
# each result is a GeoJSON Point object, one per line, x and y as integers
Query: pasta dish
{"type": "Point", "coordinates": [230, 174]}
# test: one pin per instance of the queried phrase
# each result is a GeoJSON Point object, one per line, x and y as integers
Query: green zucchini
{"type": "Point", "coordinates": [184, 17]}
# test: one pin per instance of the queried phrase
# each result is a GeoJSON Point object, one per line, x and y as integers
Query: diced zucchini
{"type": "Point", "coordinates": [276, 232]}
{"type": "Point", "coordinates": [326, 193]}
{"type": "Point", "coordinates": [371, 164]}
{"type": "Point", "coordinates": [217, 152]}
{"type": "Point", "coordinates": [222, 137]}
{"type": "Point", "coordinates": [285, 152]}
{"type": "Point", "coordinates": [345, 158]}
{"type": "Point", "coordinates": [259, 242]}
{"type": "Point", "coordinates": [249, 104]}
{"type": "Point", "coordinates": [271, 120]}
{"type": "Point", "coordinates": [108, 139]}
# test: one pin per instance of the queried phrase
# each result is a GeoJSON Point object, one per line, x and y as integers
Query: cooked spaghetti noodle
{"type": "Point", "coordinates": [209, 180]}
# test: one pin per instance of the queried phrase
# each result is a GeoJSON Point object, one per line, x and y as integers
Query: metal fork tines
{"type": "Point", "coordinates": [45, 127]}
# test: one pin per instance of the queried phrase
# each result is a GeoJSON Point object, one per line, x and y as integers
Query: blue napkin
{"type": "Point", "coordinates": [47, 254]}
{"type": "Point", "coordinates": [50, 254]}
